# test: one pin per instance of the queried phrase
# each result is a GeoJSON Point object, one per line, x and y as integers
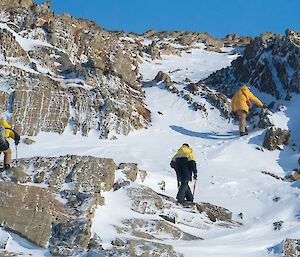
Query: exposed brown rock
{"type": "Point", "coordinates": [17, 3]}
{"type": "Point", "coordinates": [18, 175]}
{"type": "Point", "coordinates": [264, 118]}
{"type": "Point", "coordinates": [74, 48]}
{"type": "Point", "coordinates": [149, 33]}
{"type": "Point", "coordinates": [193, 88]}
{"type": "Point", "coordinates": [29, 211]}
{"type": "Point", "coordinates": [66, 225]}
{"type": "Point", "coordinates": [161, 76]}
{"type": "Point", "coordinates": [28, 141]}
{"type": "Point", "coordinates": [33, 108]}
{"type": "Point", "coordinates": [272, 175]}
{"type": "Point", "coordinates": [11, 49]}
{"type": "Point", "coordinates": [4, 101]}
{"type": "Point", "coordinates": [275, 138]}
{"type": "Point", "coordinates": [233, 39]}
{"type": "Point", "coordinates": [169, 50]}
{"type": "Point", "coordinates": [290, 248]}
{"type": "Point", "coordinates": [120, 183]}
{"type": "Point", "coordinates": [214, 212]}
{"type": "Point", "coordinates": [153, 51]}
{"type": "Point", "coordinates": [256, 64]}
{"type": "Point", "coordinates": [130, 170]}
{"type": "Point", "coordinates": [154, 230]}
{"type": "Point", "coordinates": [214, 49]}
{"type": "Point", "coordinates": [145, 200]}
{"type": "Point", "coordinates": [9, 254]}
{"type": "Point", "coordinates": [141, 247]}
{"type": "Point", "coordinates": [294, 176]}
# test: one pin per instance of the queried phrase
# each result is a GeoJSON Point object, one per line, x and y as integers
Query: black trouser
{"type": "Point", "coordinates": [184, 192]}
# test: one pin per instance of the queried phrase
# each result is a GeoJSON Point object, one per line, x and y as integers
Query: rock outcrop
{"type": "Point", "coordinates": [233, 39]}
{"type": "Point", "coordinates": [17, 3]}
{"type": "Point", "coordinates": [153, 229]}
{"type": "Point", "coordinates": [293, 176]}
{"type": "Point", "coordinates": [142, 247]}
{"type": "Point", "coordinates": [185, 38]}
{"type": "Point", "coordinates": [270, 63]}
{"type": "Point", "coordinates": [275, 138]}
{"type": "Point", "coordinates": [57, 210]}
{"type": "Point", "coordinates": [291, 247]}
{"type": "Point", "coordinates": [54, 204]}
{"type": "Point", "coordinates": [61, 72]}
{"type": "Point", "coordinates": [217, 99]}
{"type": "Point", "coordinates": [153, 51]}
{"type": "Point", "coordinates": [29, 211]}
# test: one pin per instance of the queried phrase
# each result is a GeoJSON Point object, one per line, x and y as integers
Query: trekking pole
{"type": "Point", "coordinates": [194, 188]}
{"type": "Point", "coordinates": [16, 155]}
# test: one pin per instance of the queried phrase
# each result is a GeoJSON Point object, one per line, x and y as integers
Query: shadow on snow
{"type": "Point", "coordinates": [206, 135]}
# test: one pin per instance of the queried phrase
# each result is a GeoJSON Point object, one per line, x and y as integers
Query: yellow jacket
{"type": "Point", "coordinates": [238, 101]}
{"type": "Point", "coordinates": [185, 151]}
{"type": "Point", "coordinates": [8, 131]}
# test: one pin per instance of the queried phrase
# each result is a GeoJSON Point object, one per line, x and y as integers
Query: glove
{"type": "Point", "coordinates": [195, 176]}
{"type": "Point", "coordinates": [16, 138]}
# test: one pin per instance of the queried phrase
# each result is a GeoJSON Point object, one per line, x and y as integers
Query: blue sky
{"type": "Point", "coordinates": [217, 17]}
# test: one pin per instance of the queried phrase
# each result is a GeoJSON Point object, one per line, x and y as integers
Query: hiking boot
{"type": "Point", "coordinates": [185, 203]}
{"type": "Point", "coordinates": [6, 166]}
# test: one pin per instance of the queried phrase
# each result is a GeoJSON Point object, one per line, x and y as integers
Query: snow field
{"type": "Point", "coordinates": [229, 167]}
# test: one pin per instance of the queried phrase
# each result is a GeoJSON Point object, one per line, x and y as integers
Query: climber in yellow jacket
{"type": "Point", "coordinates": [240, 103]}
{"type": "Point", "coordinates": [184, 163]}
{"type": "Point", "coordinates": [5, 133]}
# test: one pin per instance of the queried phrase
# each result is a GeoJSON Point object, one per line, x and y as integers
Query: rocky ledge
{"type": "Point", "coordinates": [270, 63]}
{"type": "Point", "coordinates": [52, 201]}
{"type": "Point", "coordinates": [59, 72]}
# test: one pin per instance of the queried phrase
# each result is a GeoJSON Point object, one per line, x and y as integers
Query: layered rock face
{"type": "Point", "coordinates": [270, 63]}
{"type": "Point", "coordinates": [186, 38]}
{"type": "Point", "coordinates": [59, 72]}
{"type": "Point", "coordinates": [52, 201]}
{"type": "Point", "coordinates": [163, 42]}
{"type": "Point", "coordinates": [57, 210]}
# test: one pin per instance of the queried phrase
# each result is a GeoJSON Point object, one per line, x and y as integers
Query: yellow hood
{"type": "Point", "coordinates": [185, 151]}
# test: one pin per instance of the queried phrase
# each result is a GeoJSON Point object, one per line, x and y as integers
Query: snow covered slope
{"type": "Point", "coordinates": [229, 167]}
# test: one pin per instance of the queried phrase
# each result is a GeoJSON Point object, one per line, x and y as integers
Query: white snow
{"type": "Point", "coordinates": [26, 43]}
{"type": "Point", "coordinates": [196, 65]}
{"type": "Point", "coordinates": [229, 167]}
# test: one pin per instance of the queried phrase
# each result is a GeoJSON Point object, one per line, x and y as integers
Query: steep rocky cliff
{"type": "Point", "coordinates": [57, 71]}
{"type": "Point", "coordinates": [270, 63]}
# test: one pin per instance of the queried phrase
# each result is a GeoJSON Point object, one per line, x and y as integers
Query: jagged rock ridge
{"type": "Point", "coordinates": [57, 72]}
{"type": "Point", "coordinates": [270, 63]}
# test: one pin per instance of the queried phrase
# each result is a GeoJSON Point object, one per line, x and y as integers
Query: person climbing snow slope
{"type": "Point", "coordinates": [240, 103]}
{"type": "Point", "coordinates": [5, 132]}
{"type": "Point", "coordinates": [184, 163]}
